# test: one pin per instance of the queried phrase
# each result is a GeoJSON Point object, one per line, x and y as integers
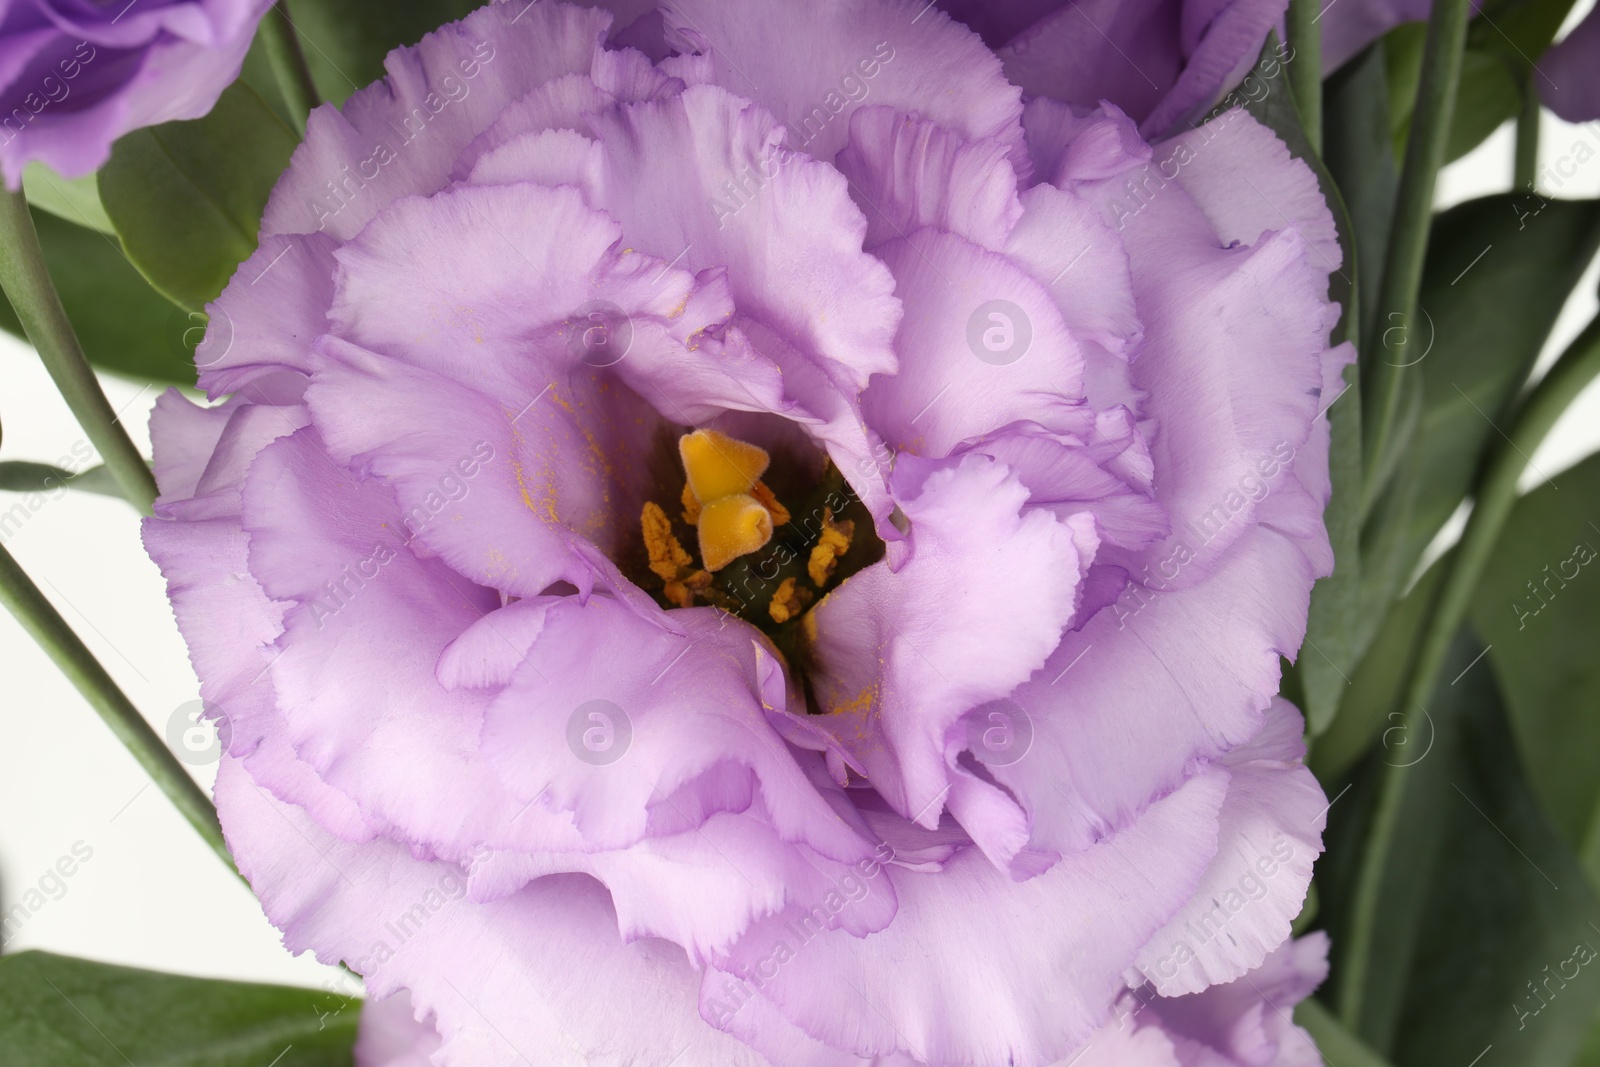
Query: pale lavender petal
{"type": "Point", "coordinates": [907, 173]}
{"type": "Point", "coordinates": [1271, 831]}
{"type": "Point", "coordinates": [899, 53]}
{"type": "Point", "coordinates": [392, 1036]}
{"type": "Point", "coordinates": [897, 665]}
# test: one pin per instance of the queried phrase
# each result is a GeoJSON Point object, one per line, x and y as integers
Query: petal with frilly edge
{"type": "Point", "coordinates": [481, 485]}
{"type": "Point", "coordinates": [1248, 1022]}
{"type": "Point", "coordinates": [976, 967]}
{"type": "Point", "coordinates": [612, 718]}
{"type": "Point", "coordinates": [1154, 684]}
{"type": "Point", "coordinates": [1066, 246]}
{"type": "Point", "coordinates": [907, 173]}
{"type": "Point", "coordinates": [1164, 62]}
{"type": "Point", "coordinates": [483, 971]}
{"type": "Point", "coordinates": [270, 322]}
{"type": "Point", "coordinates": [392, 1036]}
{"type": "Point", "coordinates": [400, 137]}
{"type": "Point", "coordinates": [702, 181]}
{"type": "Point", "coordinates": [368, 618]}
{"type": "Point", "coordinates": [1231, 362]}
{"type": "Point", "coordinates": [839, 54]}
{"type": "Point", "coordinates": [896, 662]}
{"type": "Point", "coordinates": [1271, 832]}
{"type": "Point", "coordinates": [983, 346]}
{"type": "Point", "coordinates": [701, 889]}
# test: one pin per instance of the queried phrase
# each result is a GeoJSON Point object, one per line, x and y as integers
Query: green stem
{"type": "Point", "coordinates": [26, 281]}
{"type": "Point", "coordinates": [1525, 176]}
{"type": "Point", "coordinates": [1408, 237]}
{"type": "Point", "coordinates": [289, 63]}
{"type": "Point", "coordinates": [1493, 499]}
{"type": "Point", "coordinates": [46, 626]}
{"type": "Point", "coordinates": [1304, 30]}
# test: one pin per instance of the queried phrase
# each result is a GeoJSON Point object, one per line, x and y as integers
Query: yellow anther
{"type": "Point", "coordinates": [788, 601]}
{"type": "Point", "coordinates": [719, 465]}
{"type": "Point", "coordinates": [730, 527]}
{"type": "Point", "coordinates": [667, 557]}
{"type": "Point", "coordinates": [780, 514]}
{"type": "Point", "coordinates": [691, 506]}
{"type": "Point", "coordinates": [725, 497]}
{"type": "Point", "coordinates": [834, 542]}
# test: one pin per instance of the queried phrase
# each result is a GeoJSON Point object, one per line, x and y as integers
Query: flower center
{"type": "Point", "coordinates": [756, 558]}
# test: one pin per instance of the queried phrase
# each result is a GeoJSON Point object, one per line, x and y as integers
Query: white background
{"type": "Point", "coordinates": [152, 894]}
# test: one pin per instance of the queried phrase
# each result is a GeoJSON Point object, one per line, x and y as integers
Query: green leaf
{"type": "Point", "coordinates": [1506, 908]}
{"type": "Point", "coordinates": [74, 199]}
{"type": "Point", "coordinates": [124, 325]}
{"type": "Point", "coordinates": [1499, 270]}
{"type": "Point", "coordinates": [1424, 805]}
{"type": "Point", "coordinates": [1472, 912]}
{"type": "Point", "coordinates": [345, 40]}
{"type": "Point", "coordinates": [69, 1012]}
{"type": "Point", "coordinates": [26, 476]}
{"type": "Point", "coordinates": [1372, 703]}
{"type": "Point", "coordinates": [1360, 157]}
{"type": "Point", "coordinates": [1504, 42]}
{"type": "Point", "coordinates": [186, 197]}
{"type": "Point", "coordinates": [1538, 606]}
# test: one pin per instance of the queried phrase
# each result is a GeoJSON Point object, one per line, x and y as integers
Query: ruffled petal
{"type": "Point", "coordinates": [482, 971]}
{"type": "Point", "coordinates": [907, 173]}
{"type": "Point", "coordinates": [982, 345]}
{"type": "Point", "coordinates": [1231, 366]}
{"type": "Point", "coordinates": [400, 137]}
{"type": "Point", "coordinates": [985, 985]}
{"type": "Point", "coordinates": [1247, 1023]}
{"type": "Point", "coordinates": [1164, 62]}
{"type": "Point", "coordinates": [703, 888]}
{"type": "Point", "coordinates": [630, 716]}
{"type": "Point", "coordinates": [895, 663]}
{"type": "Point", "coordinates": [1066, 246]}
{"type": "Point", "coordinates": [268, 322]}
{"type": "Point", "coordinates": [392, 1036]}
{"type": "Point", "coordinates": [1271, 831]}
{"type": "Point", "coordinates": [1154, 684]}
{"type": "Point", "coordinates": [503, 507]}
{"type": "Point", "coordinates": [839, 54]}
{"type": "Point", "coordinates": [353, 671]}
{"type": "Point", "coordinates": [701, 181]}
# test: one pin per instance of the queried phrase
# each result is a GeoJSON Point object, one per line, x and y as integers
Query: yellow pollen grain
{"type": "Point", "coordinates": [834, 543]}
{"type": "Point", "coordinates": [667, 557]}
{"type": "Point", "coordinates": [787, 602]}
{"type": "Point", "coordinates": [780, 514]}
{"type": "Point", "coordinates": [691, 506]}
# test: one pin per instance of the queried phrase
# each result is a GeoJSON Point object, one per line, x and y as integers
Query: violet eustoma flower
{"type": "Point", "coordinates": [75, 76]}
{"type": "Point", "coordinates": [1163, 62]}
{"type": "Point", "coordinates": [1565, 75]}
{"type": "Point", "coordinates": [775, 554]}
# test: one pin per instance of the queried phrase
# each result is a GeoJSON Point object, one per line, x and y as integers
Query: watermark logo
{"type": "Point", "coordinates": [999, 733]}
{"type": "Point", "coordinates": [195, 738]}
{"type": "Point", "coordinates": [999, 332]}
{"type": "Point", "coordinates": [599, 732]}
{"type": "Point", "coordinates": [599, 334]}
